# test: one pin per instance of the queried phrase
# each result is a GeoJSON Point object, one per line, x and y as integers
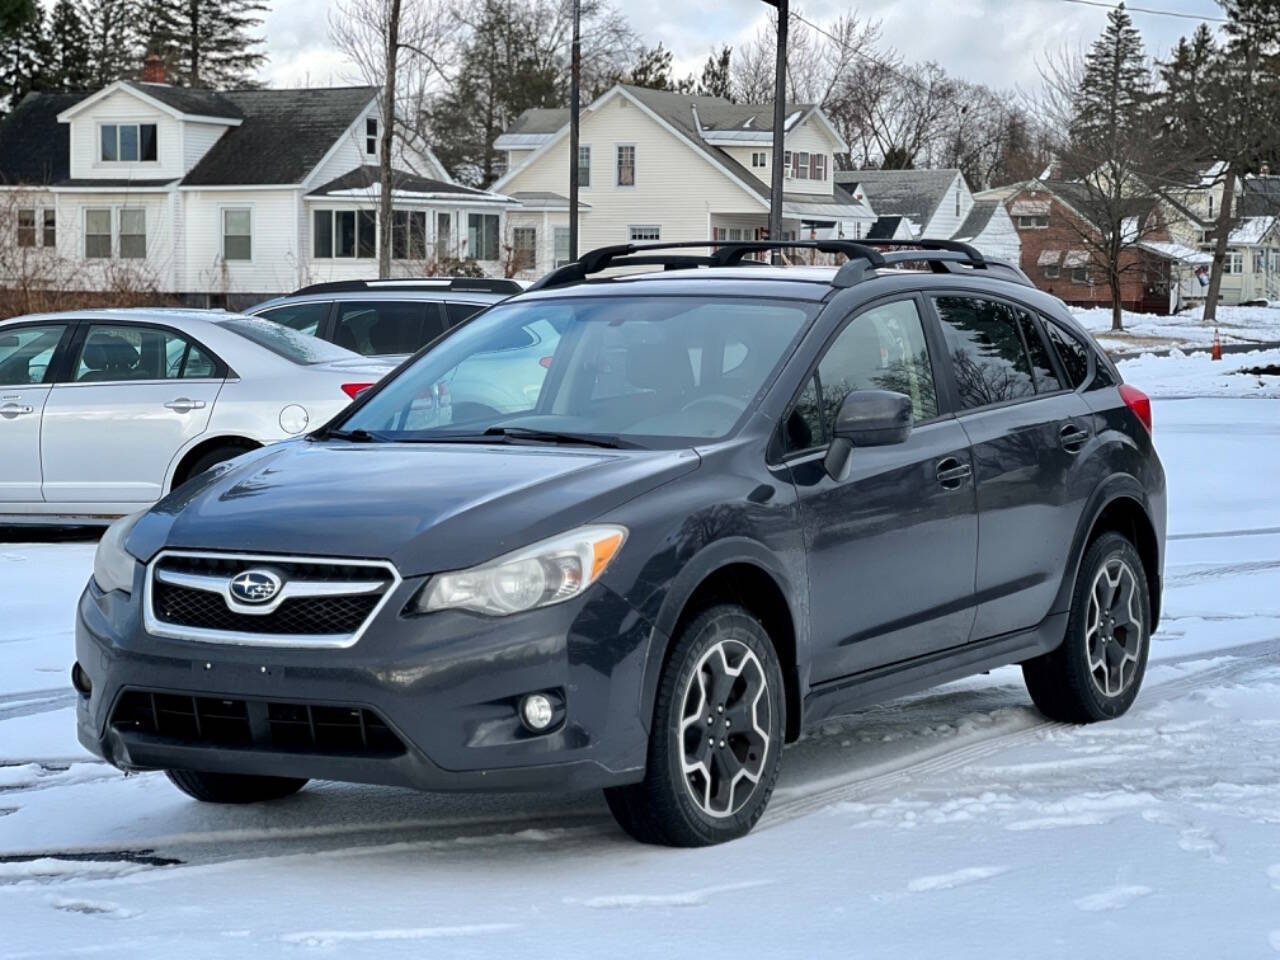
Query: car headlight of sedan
{"type": "Point", "coordinates": [548, 572]}
{"type": "Point", "coordinates": [113, 566]}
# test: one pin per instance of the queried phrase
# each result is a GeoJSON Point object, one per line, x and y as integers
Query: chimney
{"type": "Point", "coordinates": [153, 69]}
{"type": "Point", "coordinates": [1264, 170]}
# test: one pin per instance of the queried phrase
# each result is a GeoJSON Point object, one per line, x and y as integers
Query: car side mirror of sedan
{"type": "Point", "coordinates": [867, 418]}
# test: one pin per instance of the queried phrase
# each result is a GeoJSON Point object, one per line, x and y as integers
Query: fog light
{"type": "Point", "coordinates": [537, 712]}
{"type": "Point", "coordinates": [80, 680]}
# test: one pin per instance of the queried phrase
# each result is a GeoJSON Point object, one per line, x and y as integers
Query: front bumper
{"type": "Point", "coordinates": [447, 685]}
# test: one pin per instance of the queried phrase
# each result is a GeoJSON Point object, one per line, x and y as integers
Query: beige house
{"type": "Point", "coordinates": [658, 165]}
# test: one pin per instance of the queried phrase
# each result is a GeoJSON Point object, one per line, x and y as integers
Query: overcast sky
{"type": "Point", "coordinates": [997, 42]}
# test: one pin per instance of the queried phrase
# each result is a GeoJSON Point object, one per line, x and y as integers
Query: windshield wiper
{"type": "Point", "coordinates": [358, 435]}
{"type": "Point", "coordinates": [607, 441]}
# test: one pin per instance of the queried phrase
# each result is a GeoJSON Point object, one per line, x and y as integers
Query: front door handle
{"type": "Point", "coordinates": [11, 411]}
{"type": "Point", "coordinates": [185, 405]}
{"type": "Point", "coordinates": [1072, 437]}
{"type": "Point", "coordinates": [953, 472]}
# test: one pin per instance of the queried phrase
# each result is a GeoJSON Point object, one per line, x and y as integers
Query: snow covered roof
{"type": "Point", "coordinates": [1252, 230]}
{"type": "Point", "coordinates": [1048, 258]}
{"type": "Point", "coordinates": [1030, 208]}
{"type": "Point", "coordinates": [1177, 252]}
{"type": "Point", "coordinates": [1076, 258]}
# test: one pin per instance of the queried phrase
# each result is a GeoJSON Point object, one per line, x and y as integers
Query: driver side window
{"type": "Point", "coordinates": [881, 349]}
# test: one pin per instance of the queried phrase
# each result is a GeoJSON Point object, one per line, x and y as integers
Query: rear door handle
{"type": "Point", "coordinates": [11, 411]}
{"type": "Point", "coordinates": [185, 405]}
{"type": "Point", "coordinates": [953, 472]}
{"type": "Point", "coordinates": [1072, 437]}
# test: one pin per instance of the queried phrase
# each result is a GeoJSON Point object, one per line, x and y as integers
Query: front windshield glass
{"type": "Point", "coordinates": [648, 370]}
{"type": "Point", "coordinates": [293, 346]}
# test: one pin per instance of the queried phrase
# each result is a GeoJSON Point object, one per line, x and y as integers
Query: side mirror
{"type": "Point", "coordinates": [867, 418]}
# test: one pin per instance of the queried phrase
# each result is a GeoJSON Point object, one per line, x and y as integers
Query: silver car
{"type": "Point", "coordinates": [103, 412]}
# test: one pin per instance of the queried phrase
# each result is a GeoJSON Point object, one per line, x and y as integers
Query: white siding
{"type": "Point", "coordinates": [104, 274]}
{"type": "Point", "coordinates": [122, 107]}
{"type": "Point", "coordinates": [946, 221]}
{"type": "Point", "coordinates": [677, 187]}
{"type": "Point", "coordinates": [348, 153]}
{"type": "Point", "coordinates": [999, 239]}
{"type": "Point", "coordinates": [811, 138]}
{"type": "Point", "coordinates": [274, 267]}
{"type": "Point", "coordinates": [197, 139]}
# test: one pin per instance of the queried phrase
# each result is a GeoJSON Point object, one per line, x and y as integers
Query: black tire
{"type": "Point", "coordinates": [209, 459]}
{"type": "Point", "coordinates": [1062, 683]}
{"type": "Point", "coordinates": [233, 787]}
{"type": "Point", "coordinates": [662, 808]}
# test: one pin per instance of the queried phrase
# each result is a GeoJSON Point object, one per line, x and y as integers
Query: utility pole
{"type": "Point", "coordinates": [779, 119]}
{"type": "Point", "coordinates": [575, 84]}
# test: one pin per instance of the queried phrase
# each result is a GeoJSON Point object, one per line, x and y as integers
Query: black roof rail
{"type": "Point", "coordinates": [406, 284]}
{"type": "Point", "coordinates": [725, 254]}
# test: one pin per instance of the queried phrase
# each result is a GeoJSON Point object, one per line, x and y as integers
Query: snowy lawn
{"type": "Point", "coordinates": [1144, 331]}
{"type": "Point", "coordinates": [957, 823]}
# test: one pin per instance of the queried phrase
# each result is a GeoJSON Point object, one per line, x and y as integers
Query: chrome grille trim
{"type": "Point", "coordinates": [301, 589]}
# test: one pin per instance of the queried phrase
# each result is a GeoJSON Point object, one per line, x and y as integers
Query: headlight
{"type": "Point", "coordinates": [548, 572]}
{"type": "Point", "coordinates": [112, 566]}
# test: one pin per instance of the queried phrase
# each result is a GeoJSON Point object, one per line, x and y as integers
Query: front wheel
{"type": "Point", "coordinates": [716, 740]}
{"type": "Point", "coordinates": [1096, 672]}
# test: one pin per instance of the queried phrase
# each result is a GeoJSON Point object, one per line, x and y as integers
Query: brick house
{"type": "Point", "coordinates": [1047, 215]}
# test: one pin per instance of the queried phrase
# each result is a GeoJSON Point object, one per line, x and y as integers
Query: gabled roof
{"type": "Point", "coordinates": [977, 220]}
{"type": "Point", "coordinates": [367, 177]}
{"type": "Point", "coordinates": [908, 193]}
{"type": "Point", "coordinates": [532, 128]}
{"type": "Point", "coordinates": [885, 228]}
{"type": "Point", "coordinates": [34, 147]}
{"type": "Point", "coordinates": [176, 101]}
{"type": "Point", "coordinates": [285, 133]}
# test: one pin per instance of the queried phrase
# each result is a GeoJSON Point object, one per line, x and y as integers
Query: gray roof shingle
{"type": "Point", "coordinates": [906, 193]}
{"type": "Point", "coordinates": [977, 220]}
{"type": "Point", "coordinates": [34, 147]}
{"type": "Point", "coordinates": [539, 120]}
{"type": "Point", "coordinates": [200, 103]}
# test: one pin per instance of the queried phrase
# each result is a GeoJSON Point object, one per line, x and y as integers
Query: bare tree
{"type": "Point", "coordinates": [818, 59]}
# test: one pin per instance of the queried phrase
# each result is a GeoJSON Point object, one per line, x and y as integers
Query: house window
{"type": "Point", "coordinates": [584, 166]}
{"type": "Point", "coordinates": [524, 248]}
{"type": "Point", "coordinates": [408, 235]}
{"type": "Point", "coordinates": [800, 165]}
{"type": "Point", "coordinates": [49, 227]}
{"type": "Point", "coordinates": [1211, 206]}
{"type": "Point", "coordinates": [817, 166]}
{"type": "Point", "coordinates": [786, 164]}
{"type": "Point", "coordinates": [645, 231]}
{"type": "Point", "coordinates": [345, 234]}
{"type": "Point", "coordinates": [759, 159]}
{"type": "Point", "coordinates": [561, 237]}
{"type": "Point", "coordinates": [97, 234]}
{"type": "Point", "coordinates": [237, 239]}
{"type": "Point", "coordinates": [133, 234]}
{"type": "Point", "coordinates": [957, 201]}
{"type": "Point", "coordinates": [1038, 222]}
{"type": "Point", "coordinates": [1079, 274]}
{"type": "Point", "coordinates": [626, 165]}
{"type": "Point", "coordinates": [482, 236]}
{"type": "Point", "coordinates": [1234, 263]}
{"type": "Point", "coordinates": [27, 227]}
{"type": "Point", "coordinates": [1052, 271]}
{"type": "Point", "coordinates": [128, 142]}
{"type": "Point", "coordinates": [371, 136]}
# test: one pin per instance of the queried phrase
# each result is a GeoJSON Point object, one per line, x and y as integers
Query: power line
{"type": "Point", "coordinates": [1152, 11]}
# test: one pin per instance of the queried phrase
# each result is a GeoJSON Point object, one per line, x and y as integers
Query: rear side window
{"type": "Point", "coordinates": [987, 354]}
{"type": "Point", "coordinates": [380, 327]}
{"type": "Point", "coordinates": [303, 317]}
{"type": "Point", "coordinates": [458, 312]}
{"type": "Point", "coordinates": [1073, 354]}
{"type": "Point", "coordinates": [1046, 373]}
{"type": "Point", "coordinates": [131, 352]}
{"type": "Point", "coordinates": [26, 353]}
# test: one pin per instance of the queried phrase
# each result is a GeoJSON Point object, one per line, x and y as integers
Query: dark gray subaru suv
{"type": "Point", "coordinates": [734, 500]}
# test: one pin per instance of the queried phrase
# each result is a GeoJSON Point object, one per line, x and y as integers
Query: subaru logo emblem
{"type": "Point", "coordinates": [255, 586]}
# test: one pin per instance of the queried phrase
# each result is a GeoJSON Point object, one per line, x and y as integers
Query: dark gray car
{"type": "Point", "coordinates": [737, 500]}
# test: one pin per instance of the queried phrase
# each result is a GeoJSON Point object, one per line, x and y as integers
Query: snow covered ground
{"type": "Point", "coordinates": [957, 823]}
{"type": "Point", "coordinates": [1181, 375]}
{"type": "Point", "coordinates": [1144, 331]}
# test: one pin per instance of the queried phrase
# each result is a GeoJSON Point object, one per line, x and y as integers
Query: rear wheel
{"type": "Point", "coordinates": [1096, 673]}
{"type": "Point", "coordinates": [233, 787]}
{"type": "Point", "coordinates": [716, 741]}
{"type": "Point", "coordinates": [209, 459]}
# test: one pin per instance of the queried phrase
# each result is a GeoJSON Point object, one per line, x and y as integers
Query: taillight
{"type": "Point", "coordinates": [354, 390]}
{"type": "Point", "coordinates": [1138, 402]}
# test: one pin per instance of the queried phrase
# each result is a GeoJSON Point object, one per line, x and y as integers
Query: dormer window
{"type": "Point", "coordinates": [128, 143]}
{"type": "Point", "coordinates": [371, 136]}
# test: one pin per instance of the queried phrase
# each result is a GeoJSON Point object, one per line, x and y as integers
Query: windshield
{"type": "Point", "coordinates": [293, 346]}
{"type": "Point", "coordinates": [650, 370]}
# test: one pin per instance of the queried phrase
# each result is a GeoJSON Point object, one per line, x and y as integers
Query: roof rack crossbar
{"type": "Point", "coordinates": [404, 284]}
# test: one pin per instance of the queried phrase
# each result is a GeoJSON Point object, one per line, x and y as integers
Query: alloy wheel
{"type": "Point", "coordinates": [724, 728]}
{"type": "Point", "coordinates": [1113, 629]}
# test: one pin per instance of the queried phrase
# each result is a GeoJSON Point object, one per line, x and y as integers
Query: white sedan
{"type": "Point", "coordinates": [105, 411]}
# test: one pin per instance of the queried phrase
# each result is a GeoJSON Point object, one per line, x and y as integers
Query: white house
{"type": "Point", "coordinates": [658, 165]}
{"type": "Point", "coordinates": [935, 205]}
{"type": "Point", "coordinates": [221, 197]}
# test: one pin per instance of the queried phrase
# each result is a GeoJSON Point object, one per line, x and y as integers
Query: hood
{"type": "Point", "coordinates": [425, 507]}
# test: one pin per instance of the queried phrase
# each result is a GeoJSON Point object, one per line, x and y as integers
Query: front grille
{"type": "Point", "coordinates": [188, 598]}
{"type": "Point", "coordinates": [263, 724]}
{"type": "Point", "coordinates": [184, 607]}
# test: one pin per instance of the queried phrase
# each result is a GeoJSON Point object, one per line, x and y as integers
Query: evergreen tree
{"type": "Point", "coordinates": [16, 14]}
{"type": "Point", "coordinates": [159, 29]}
{"type": "Point", "coordinates": [1188, 88]}
{"type": "Point", "coordinates": [24, 61]}
{"type": "Point", "coordinates": [716, 80]}
{"type": "Point", "coordinates": [70, 67]}
{"type": "Point", "coordinates": [112, 48]}
{"type": "Point", "coordinates": [212, 41]}
{"type": "Point", "coordinates": [1115, 90]}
